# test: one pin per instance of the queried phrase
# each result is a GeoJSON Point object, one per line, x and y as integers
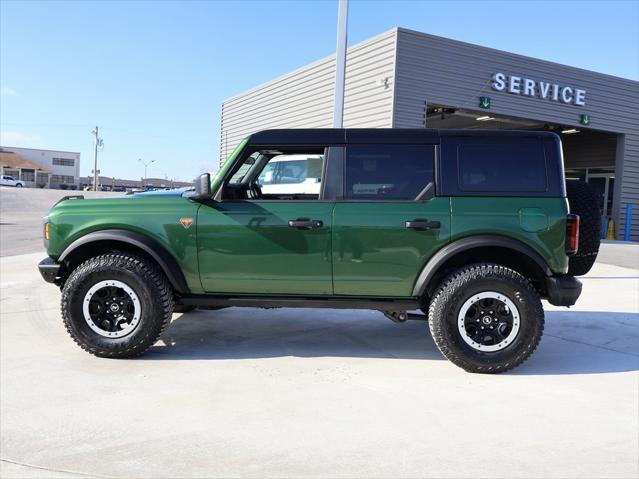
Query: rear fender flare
{"type": "Point", "coordinates": [463, 244]}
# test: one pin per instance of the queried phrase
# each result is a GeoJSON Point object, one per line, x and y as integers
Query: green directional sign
{"type": "Point", "coordinates": [585, 119]}
{"type": "Point", "coordinates": [484, 102]}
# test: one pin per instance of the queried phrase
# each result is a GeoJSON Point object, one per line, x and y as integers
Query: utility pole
{"type": "Point", "coordinates": [340, 63]}
{"type": "Point", "coordinates": [97, 141]}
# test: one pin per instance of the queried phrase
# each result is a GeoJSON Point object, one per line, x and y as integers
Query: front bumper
{"type": "Point", "coordinates": [49, 269]}
{"type": "Point", "coordinates": [563, 290]}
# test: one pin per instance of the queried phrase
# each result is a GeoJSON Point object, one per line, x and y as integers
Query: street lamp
{"type": "Point", "coordinates": [145, 165]}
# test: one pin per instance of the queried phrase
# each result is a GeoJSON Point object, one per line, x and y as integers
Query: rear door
{"type": "Point", "coordinates": [390, 221]}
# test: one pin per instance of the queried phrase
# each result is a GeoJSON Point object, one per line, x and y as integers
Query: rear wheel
{"type": "Point", "coordinates": [583, 202]}
{"type": "Point", "coordinates": [116, 305]}
{"type": "Point", "coordinates": [486, 318]}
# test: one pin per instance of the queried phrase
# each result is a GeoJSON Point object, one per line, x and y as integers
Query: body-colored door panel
{"type": "Point", "coordinates": [247, 247]}
{"type": "Point", "coordinates": [375, 254]}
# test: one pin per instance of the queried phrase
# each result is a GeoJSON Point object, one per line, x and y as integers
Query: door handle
{"type": "Point", "coordinates": [305, 224]}
{"type": "Point", "coordinates": [420, 224]}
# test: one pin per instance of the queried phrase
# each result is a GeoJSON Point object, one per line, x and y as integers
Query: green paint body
{"type": "Point", "coordinates": [363, 250]}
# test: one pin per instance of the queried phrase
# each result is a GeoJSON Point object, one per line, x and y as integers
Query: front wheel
{"type": "Point", "coordinates": [18, 185]}
{"type": "Point", "coordinates": [116, 305]}
{"type": "Point", "coordinates": [486, 318]}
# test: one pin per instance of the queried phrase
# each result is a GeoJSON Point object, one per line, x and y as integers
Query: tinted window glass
{"type": "Point", "coordinates": [499, 167]}
{"type": "Point", "coordinates": [388, 172]}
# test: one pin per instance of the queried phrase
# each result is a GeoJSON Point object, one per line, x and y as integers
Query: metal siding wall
{"type": "Point", "coordinates": [304, 98]}
{"type": "Point", "coordinates": [443, 71]}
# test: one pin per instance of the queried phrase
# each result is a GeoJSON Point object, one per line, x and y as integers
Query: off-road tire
{"type": "Point", "coordinates": [583, 202]}
{"type": "Point", "coordinates": [462, 285]}
{"type": "Point", "coordinates": [146, 280]}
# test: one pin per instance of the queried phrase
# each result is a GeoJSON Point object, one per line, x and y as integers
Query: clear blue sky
{"type": "Point", "coordinates": [153, 75]}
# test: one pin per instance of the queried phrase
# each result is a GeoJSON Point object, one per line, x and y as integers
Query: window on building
{"type": "Point", "coordinates": [64, 161]}
{"type": "Point", "coordinates": [62, 179]}
{"type": "Point", "coordinates": [502, 167]}
{"type": "Point", "coordinates": [27, 175]}
{"type": "Point", "coordinates": [42, 178]}
{"type": "Point", "coordinates": [388, 172]}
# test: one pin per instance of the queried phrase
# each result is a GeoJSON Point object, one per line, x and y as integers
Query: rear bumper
{"type": "Point", "coordinates": [563, 290]}
{"type": "Point", "coordinates": [49, 269]}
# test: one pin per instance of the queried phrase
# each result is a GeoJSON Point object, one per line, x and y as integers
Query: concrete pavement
{"type": "Point", "coordinates": [317, 393]}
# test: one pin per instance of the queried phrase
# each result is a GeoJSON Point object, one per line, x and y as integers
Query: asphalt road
{"type": "Point", "coordinates": [21, 213]}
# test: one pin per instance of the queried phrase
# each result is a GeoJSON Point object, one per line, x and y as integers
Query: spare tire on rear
{"type": "Point", "coordinates": [583, 202]}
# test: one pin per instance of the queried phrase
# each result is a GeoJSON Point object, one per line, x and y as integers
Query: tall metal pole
{"type": "Point", "coordinates": [340, 63]}
{"type": "Point", "coordinates": [95, 159]}
{"type": "Point", "coordinates": [145, 166]}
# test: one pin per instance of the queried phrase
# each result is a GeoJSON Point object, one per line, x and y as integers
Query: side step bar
{"type": "Point", "coordinates": [206, 300]}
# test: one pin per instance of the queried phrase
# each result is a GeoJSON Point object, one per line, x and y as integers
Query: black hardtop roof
{"type": "Point", "coordinates": [320, 136]}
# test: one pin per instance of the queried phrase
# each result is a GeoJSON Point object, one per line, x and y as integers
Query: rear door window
{"type": "Point", "coordinates": [504, 166]}
{"type": "Point", "coordinates": [393, 172]}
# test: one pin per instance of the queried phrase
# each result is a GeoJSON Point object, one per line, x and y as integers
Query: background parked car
{"type": "Point", "coordinates": [10, 181]}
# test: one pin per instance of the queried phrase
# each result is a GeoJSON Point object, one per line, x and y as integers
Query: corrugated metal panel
{"type": "Point", "coordinates": [437, 70]}
{"type": "Point", "coordinates": [304, 98]}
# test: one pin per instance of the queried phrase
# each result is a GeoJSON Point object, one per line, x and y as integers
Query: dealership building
{"type": "Point", "coordinates": [408, 79]}
{"type": "Point", "coordinates": [41, 168]}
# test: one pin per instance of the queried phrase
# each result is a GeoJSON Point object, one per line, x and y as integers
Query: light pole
{"type": "Point", "coordinates": [340, 63]}
{"type": "Point", "coordinates": [145, 166]}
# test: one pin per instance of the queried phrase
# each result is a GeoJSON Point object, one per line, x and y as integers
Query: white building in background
{"type": "Point", "coordinates": [63, 167]}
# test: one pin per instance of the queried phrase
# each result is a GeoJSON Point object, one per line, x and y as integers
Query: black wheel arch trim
{"type": "Point", "coordinates": [470, 242]}
{"type": "Point", "coordinates": [164, 259]}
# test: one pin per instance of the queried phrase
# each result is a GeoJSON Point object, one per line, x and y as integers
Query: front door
{"type": "Point", "coordinates": [269, 233]}
{"type": "Point", "coordinates": [390, 223]}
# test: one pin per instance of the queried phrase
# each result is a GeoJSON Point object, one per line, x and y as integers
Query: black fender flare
{"type": "Point", "coordinates": [164, 259]}
{"type": "Point", "coordinates": [470, 242]}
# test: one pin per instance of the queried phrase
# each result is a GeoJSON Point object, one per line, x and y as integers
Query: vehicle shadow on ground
{"type": "Point", "coordinates": [574, 342]}
{"type": "Point", "coordinates": [238, 333]}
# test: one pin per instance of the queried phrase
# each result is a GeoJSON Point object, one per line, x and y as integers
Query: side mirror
{"type": "Point", "coordinates": [202, 187]}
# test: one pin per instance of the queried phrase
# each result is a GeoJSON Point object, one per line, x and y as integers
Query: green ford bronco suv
{"type": "Point", "coordinates": [471, 227]}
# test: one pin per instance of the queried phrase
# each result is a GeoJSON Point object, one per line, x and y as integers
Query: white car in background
{"type": "Point", "coordinates": [292, 174]}
{"type": "Point", "coordinates": [6, 180]}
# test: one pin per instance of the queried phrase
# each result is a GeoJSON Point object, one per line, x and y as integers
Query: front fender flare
{"type": "Point", "coordinates": [164, 259]}
{"type": "Point", "coordinates": [463, 244]}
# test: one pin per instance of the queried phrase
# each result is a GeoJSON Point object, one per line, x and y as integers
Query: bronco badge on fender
{"type": "Point", "coordinates": [186, 222]}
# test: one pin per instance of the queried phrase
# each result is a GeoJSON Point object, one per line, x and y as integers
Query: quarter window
{"type": "Point", "coordinates": [502, 167]}
{"type": "Point", "coordinates": [388, 172]}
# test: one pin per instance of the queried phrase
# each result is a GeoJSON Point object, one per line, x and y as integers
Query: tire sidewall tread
{"type": "Point", "coordinates": [151, 287]}
{"type": "Point", "coordinates": [461, 285]}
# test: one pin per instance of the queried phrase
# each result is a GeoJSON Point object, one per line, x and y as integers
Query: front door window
{"type": "Point", "coordinates": [274, 174]}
